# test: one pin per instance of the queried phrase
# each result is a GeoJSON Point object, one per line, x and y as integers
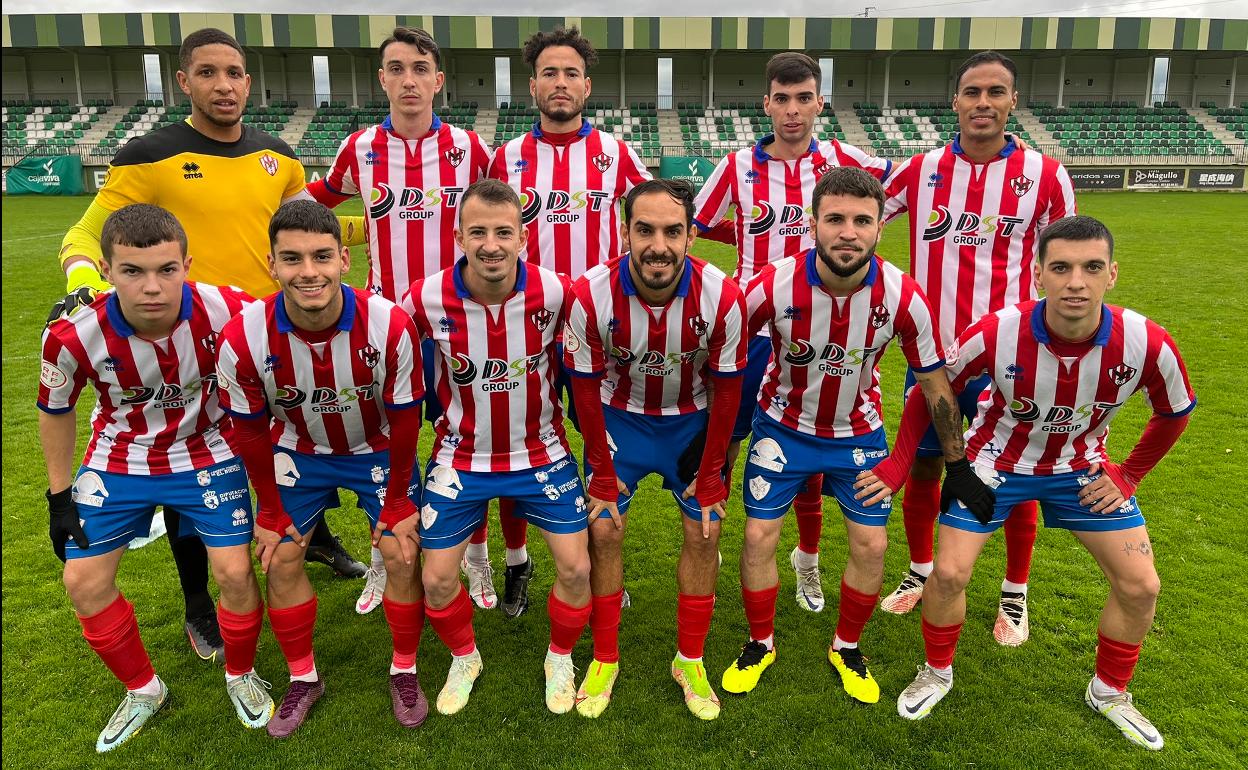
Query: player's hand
{"type": "Point", "coordinates": [69, 304]}
{"type": "Point", "coordinates": [597, 507]}
{"type": "Point", "coordinates": [1102, 495]}
{"type": "Point", "coordinates": [63, 521]}
{"type": "Point", "coordinates": [267, 541]}
{"type": "Point", "coordinates": [871, 487]}
{"type": "Point", "coordinates": [718, 508]}
{"type": "Point", "coordinates": [962, 483]}
{"type": "Point", "coordinates": [402, 520]}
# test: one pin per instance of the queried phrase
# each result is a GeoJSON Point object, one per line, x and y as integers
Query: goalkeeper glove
{"type": "Point", "coordinates": [63, 522]}
{"type": "Point", "coordinates": [963, 483]}
{"type": "Point", "coordinates": [83, 282]}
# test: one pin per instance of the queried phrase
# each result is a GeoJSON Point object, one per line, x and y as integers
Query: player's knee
{"type": "Point", "coordinates": [948, 578]}
{"type": "Point", "coordinates": [574, 574]}
{"type": "Point", "coordinates": [605, 537]}
{"type": "Point", "coordinates": [86, 588]}
{"type": "Point", "coordinates": [759, 543]}
{"type": "Point", "coordinates": [1139, 593]}
{"type": "Point", "coordinates": [235, 578]}
{"type": "Point", "coordinates": [868, 547]}
{"type": "Point", "coordinates": [440, 587]}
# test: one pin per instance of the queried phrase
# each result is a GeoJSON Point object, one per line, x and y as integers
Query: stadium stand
{"type": "Point", "coordinates": [47, 123]}
{"type": "Point", "coordinates": [1235, 119]}
{"type": "Point", "coordinates": [334, 121]}
{"type": "Point", "coordinates": [913, 127]}
{"type": "Point", "coordinates": [1120, 128]}
{"type": "Point", "coordinates": [515, 119]}
{"type": "Point", "coordinates": [733, 125]}
{"type": "Point", "coordinates": [638, 125]}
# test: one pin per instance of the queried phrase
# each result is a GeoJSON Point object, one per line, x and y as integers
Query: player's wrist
{"type": "Point", "coordinates": [393, 513]}
{"type": "Point", "coordinates": [710, 491]}
{"type": "Point", "coordinates": [274, 521]}
{"type": "Point", "coordinates": [603, 487]}
{"type": "Point", "coordinates": [60, 502]}
{"type": "Point", "coordinates": [84, 274]}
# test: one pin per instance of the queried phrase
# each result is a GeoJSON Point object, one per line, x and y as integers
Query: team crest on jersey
{"type": "Point", "coordinates": [209, 341]}
{"type": "Point", "coordinates": [269, 163]}
{"type": "Point", "coordinates": [1121, 374]}
{"type": "Point", "coordinates": [759, 487]}
{"type": "Point", "coordinates": [1021, 185]}
{"type": "Point", "coordinates": [698, 325]}
{"type": "Point", "coordinates": [542, 318]}
{"type": "Point", "coordinates": [454, 156]}
{"type": "Point", "coordinates": [369, 355]}
{"type": "Point", "coordinates": [879, 317]}
{"type": "Point", "coordinates": [89, 490]}
{"type": "Point", "coordinates": [767, 453]}
{"type": "Point", "coordinates": [51, 376]}
{"type": "Point", "coordinates": [602, 162]}
{"type": "Point", "coordinates": [823, 167]}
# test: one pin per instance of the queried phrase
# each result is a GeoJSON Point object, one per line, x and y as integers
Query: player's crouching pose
{"type": "Point", "coordinates": [336, 371]}
{"type": "Point", "coordinates": [493, 320]}
{"type": "Point", "coordinates": [1060, 369]}
{"type": "Point", "coordinates": [645, 334]}
{"type": "Point", "coordinates": [831, 312]}
{"type": "Point", "coordinates": [147, 349]}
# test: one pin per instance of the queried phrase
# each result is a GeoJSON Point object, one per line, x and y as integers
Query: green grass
{"type": "Point", "coordinates": [1182, 264]}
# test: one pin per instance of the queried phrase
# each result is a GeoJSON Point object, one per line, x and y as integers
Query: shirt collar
{"type": "Point", "coordinates": [434, 126]}
{"type": "Point", "coordinates": [461, 288]}
{"type": "Point", "coordinates": [582, 131]}
{"type": "Point", "coordinates": [345, 321]}
{"type": "Point", "coordinates": [812, 270]}
{"type": "Point", "coordinates": [762, 156]}
{"type": "Point", "coordinates": [630, 288]}
{"type": "Point", "coordinates": [1041, 332]}
{"type": "Point", "coordinates": [1009, 149]}
{"type": "Point", "coordinates": [123, 327]}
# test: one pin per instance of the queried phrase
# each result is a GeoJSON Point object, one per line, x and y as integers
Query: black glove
{"type": "Point", "coordinates": [65, 307]}
{"type": "Point", "coordinates": [690, 459]}
{"type": "Point", "coordinates": [963, 483]}
{"type": "Point", "coordinates": [63, 521]}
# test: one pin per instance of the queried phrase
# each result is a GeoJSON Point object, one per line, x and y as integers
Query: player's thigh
{"type": "Point", "coordinates": [549, 496]}
{"type": "Point", "coordinates": [308, 486]}
{"type": "Point", "coordinates": [1058, 495]}
{"type": "Point", "coordinates": [1126, 558]}
{"type": "Point", "coordinates": [91, 581]}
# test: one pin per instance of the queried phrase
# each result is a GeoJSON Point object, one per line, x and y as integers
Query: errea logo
{"type": "Point", "coordinates": [190, 170]}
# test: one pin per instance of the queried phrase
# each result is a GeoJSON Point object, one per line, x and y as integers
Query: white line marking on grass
{"type": "Point", "coordinates": [33, 237]}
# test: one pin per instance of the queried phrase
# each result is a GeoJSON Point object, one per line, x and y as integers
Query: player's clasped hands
{"type": "Point", "coordinates": [267, 540]}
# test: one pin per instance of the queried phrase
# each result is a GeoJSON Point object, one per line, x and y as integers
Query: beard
{"type": "Point", "coordinates": [656, 283]}
{"type": "Point", "coordinates": [845, 269]}
{"type": "Point", "coordinates": [563, 111]}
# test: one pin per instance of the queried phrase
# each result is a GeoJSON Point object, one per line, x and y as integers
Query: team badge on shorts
{"type": "Point", "coordinates": [860, 457]}
{"type": "Point", "coordinates": [203, 478]}
{"type": "Point", "coordinates": [377, 474]}
{"type": "Point", "coordinates": [759, 487]}
{"type": "Point", "coordinates": [768, 454]}
{"type": "Point", "coordinates": [287, 473]}
{"type": "Point", "coordinates": [428, 515]}
{"type": "Point", "coordinates": [269, 163]}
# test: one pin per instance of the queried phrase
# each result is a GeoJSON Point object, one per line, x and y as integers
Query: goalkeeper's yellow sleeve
{"type": "Point", "coordinates": [352, 231]}
{"type": "Point", "coordinates": [83, 240]}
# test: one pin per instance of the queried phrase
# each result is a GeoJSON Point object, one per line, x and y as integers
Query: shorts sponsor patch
{"type": "Point", "coordinates": [89, 490]}
{"type": "Point", "coordinates": [444, 480]}
{"type": "Point", "coordinates": [239, 517]}
{"type": "Point", "coordinates": [428, 515]}
{"type": "Point", "coordinates": [766, 453]}
{"type": "Point", "coordinates": [287, 473]}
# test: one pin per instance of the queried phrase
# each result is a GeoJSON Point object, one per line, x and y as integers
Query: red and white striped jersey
{"type": "Point", "coordinates": [411, 190]}
{"type": "Point", "coordinates": [494, 369]}
{"type": "Point", "coordinates": [823, 377]}
{"type": "Point", "coordinates": [1049, 405]}
{"type": "Point", "coordinates": [655, 358]}
{"type": "Point", "coordinates": [157, 409]}
{"type": "Point", "coordinates": [973, 227]}
{"type": "Point", "coordinates": [569, 195]}
{"type": "Point", "coordinates": [772, 198]}
{"type": "Point", "coordinates": [327, 391]}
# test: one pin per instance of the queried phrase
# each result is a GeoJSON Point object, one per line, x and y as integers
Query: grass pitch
{"type": "Point", "coordinates": [1181, 263]}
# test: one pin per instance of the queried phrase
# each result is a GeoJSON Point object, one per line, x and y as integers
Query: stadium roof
{"type": "Point", "coordinates": [267, 30]}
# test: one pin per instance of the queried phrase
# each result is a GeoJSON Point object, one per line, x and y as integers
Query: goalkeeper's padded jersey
{"type": "Point", "coordinates": [223, 194]}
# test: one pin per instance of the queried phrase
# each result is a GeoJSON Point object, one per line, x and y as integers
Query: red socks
{"type": "Point", "coordinates": [940, 642]}
{"type": "Point", "coordinates": [482, 533]}
{"type": "Point", "coordinates": [114, 635]}
{"type": "Point", "coordinates": [604, 622]}
{"type": "Point", "coordinates": [760, 611]}
{"type": "Point", "coordinates": [1020, 540]}
{"type": "Point", "coordinates": [920, 506]}
{"type": "Point", "coordinates": [406, 619]}
{"type": "Point", "coordinates": [856, 609]}
{"type": "Point", "coordinates": [241, 634]}
{"type": "Point", "coordinates": [1115, 661]}
{"type": "Point", "coordinates": [292, 626]}
{"type": "Point", "coordinates": [515, 528]}
{"type": "Point", "coordinates": [808, 508]}
{"type": "Point", "coordinates": [566, 623]}
{"type": "Point", "coordinates": [453, 624]}
{"type": "Point", "coordinates": [693, 623]}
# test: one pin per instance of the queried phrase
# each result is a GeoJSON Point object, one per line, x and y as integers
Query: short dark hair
{"type": "Point", "coordinates": [846, 180]}
{"type": "Point", "coordinates": [679, 189]}
{"type": "Point", "coordinates": [306, 216]}
{"type": "Point", "coordinates": [1076, 228]}
{"type": "Point", "coordinates": [790, 68]}
{"type": "Point", "coordinates": [571, 37]}
{"type": "Point", "coordinates": [986, 57]}
{"type": "Point", "coordinates": [140, 226]}
{"type": "Point", "coordinates": [202, 37]}
{"type": "Point", "coordinates": [423, 41]}
{"type": "Point", "coordinates": [493, 191]}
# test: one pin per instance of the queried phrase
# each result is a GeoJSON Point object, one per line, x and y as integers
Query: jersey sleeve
{"type": "Point", "coordinates": [482, 157]}
{"type": "Point", "coordinates": [849, 155]}
{"type": "Point", "coordinates": [897, 188]}
{"type": "Point", "coordinates": [61, 379]}
{"type": "Point", "coordinates": [967, 357]}
{"type": "Point", "coordinates": [759, 310]}
{"type": "Point", "coordinates": [127, 184]}
{"type": "Point", "coordinates": [583, 351]}
{"type": "Point", "coordinates": [240, 387]}
{"type": "Point", "coordinates": [728, 344]}
{"type": "Point", "coordinates": [1061, 202]}
{"type": "Point", "coordinates": [715, 196]}
{"type": "Point", "coordinates": [410, 304]}
{"type": "Point", "coordinates": [296, 179]}
{"type": "Point", "coordinates": [342, 175]}
{"type": "Point", "coordinates": [404, 384]}
{"type": "Point", "coordinates": [1166, 387]}
{"type": "Point", "coordinates": [916, 331]}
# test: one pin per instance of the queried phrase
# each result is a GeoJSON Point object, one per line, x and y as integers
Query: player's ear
{"type": "Point", "coordinates": [246, 89]}
{"type": "Point", "coordinates": [1036, 269]}
{"type": "Point", "coordinates": [345, 253]}
{"type": "Point", "coordinates": [588, 85]}
{"type": "Point", "coordinates": [183, 82]}
{"type": "Point", "coordinates": [439, 81]}
{"type": "Point", "coordinates": [272, 266]}
{"type": "Point", "coordinates": [1113, 275]}
{"type": "Point", "coordinates": [459, 238]}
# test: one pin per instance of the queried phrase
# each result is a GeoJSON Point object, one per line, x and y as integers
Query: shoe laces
{"type": "Point", "coordinates": [809, 576]}
{"type": "Point", "coordinates": [294, 696]}
{"type": "Point", "coordinates": [928, 678]}
{"type": "Point", "coordinates": [561, 667]}
{"type": "Point", "coordinates": [206, 626]}
{"type": "Point", "coordinates": [373, 578]}
{"type": "Point", "coordinates": [1014, 606]}
{"type": "Point", "coordinates": [912, 581]}
{"type": "Point", "coordinates": [461, 667]}
{"type": "Point", "coordinates": [408, 687]}
{"type": "Point", "coordinates": [751, 654]}
{"type": "Point", "coordinates": [854, 660]}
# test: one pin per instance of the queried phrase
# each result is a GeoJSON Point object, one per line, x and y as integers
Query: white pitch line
{"type": "Point", "coordinates": [32, 237]}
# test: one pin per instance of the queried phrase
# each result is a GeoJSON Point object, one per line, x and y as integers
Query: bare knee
{"type": "Point", "coordinates": [1139, 593]}
{"type": "Point", "coordinates": [89, 590]}
{"type": "Point", "coordinates": [868, 547]}
{"type": "Point", "coordinates": [440, 586]}
{"type": "Point", "coordinates": [604, 537]}
{"type": "Point", "coordinates": [948, 578]}
{"type": "Point", "coordinates": [235, 578]}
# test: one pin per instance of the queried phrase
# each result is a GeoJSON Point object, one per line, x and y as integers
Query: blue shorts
{"type": "Point", "coordinates": [781, 460]}
{"type": "Point", "coordinates": [968, 402]}
{"type": "Point", "coordinates": [758, 356]}
{"type": "Point", "coordinates": [455, 502]}
{"type": "Point", "coordinates": [309, 483]}
{"type": "Point", "coordinates": [646, 444]}
{"type": "Point", "coordinates": [1058, 496]}
{"type": "Point", "coordinates": [115, 508]}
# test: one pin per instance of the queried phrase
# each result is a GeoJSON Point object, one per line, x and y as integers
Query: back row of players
{"type": "Point", "coordinates": [319, 378]}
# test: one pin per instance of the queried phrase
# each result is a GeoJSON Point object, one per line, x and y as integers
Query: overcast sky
{"type": "Point", "coordinates": [1217, 9]}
